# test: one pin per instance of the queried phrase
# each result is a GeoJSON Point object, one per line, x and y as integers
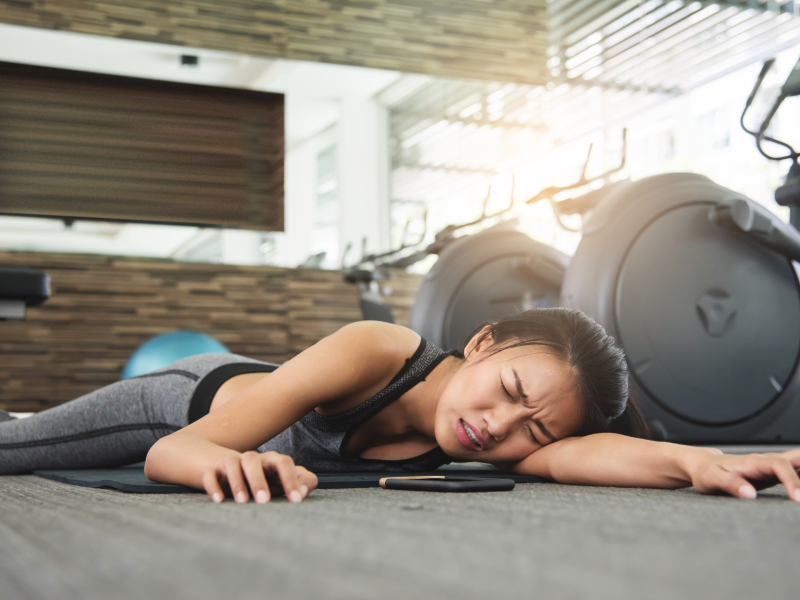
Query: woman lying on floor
{"type": "Point", "coordinates": [543, 393]}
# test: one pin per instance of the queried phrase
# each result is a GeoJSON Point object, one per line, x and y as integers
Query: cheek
{"type": "Point", "coordinates": [455, 397]}
{"type": "Point", "coordinates": [471, 389]}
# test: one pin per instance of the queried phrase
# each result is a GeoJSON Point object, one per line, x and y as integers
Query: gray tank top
{"type": "Point", "coordinates": [318, 442]}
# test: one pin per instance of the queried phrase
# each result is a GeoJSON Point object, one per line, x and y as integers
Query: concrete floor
{"type": "Point", "coordinates": [62, 542]}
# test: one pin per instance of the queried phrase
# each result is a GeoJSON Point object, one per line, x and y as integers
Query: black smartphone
{"type": "Point", "coordinates": [442, 483]}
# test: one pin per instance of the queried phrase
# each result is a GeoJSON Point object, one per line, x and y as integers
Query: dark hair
{"type": "Point", "coordinates": [598, 362]}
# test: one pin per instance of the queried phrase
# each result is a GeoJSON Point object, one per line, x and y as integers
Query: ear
{"type": "Point", "coordinates": [474, 346]}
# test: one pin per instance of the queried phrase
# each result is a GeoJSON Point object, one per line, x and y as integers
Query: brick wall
{"type": "Point", "coordinates": [103, 308]}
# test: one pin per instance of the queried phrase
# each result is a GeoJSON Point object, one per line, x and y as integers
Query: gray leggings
{"type": "Point", "coordinates": [115, 425]}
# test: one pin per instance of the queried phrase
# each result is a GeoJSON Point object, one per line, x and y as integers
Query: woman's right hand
{"type": "Point", "coordinates": [265, 475]}
{"type": "Point", "coordinates": [742, 475]}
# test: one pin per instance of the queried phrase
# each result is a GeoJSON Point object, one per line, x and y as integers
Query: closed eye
{"type": "Point", "coordinates": [510, 397]}
{"type": "Point", "coordinates": [533, 437]}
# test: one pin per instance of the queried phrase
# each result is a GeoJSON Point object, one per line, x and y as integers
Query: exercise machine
{"type": "Point", "coordinates": [700, 286]}
{"type": "Point", "coordinates": [487, 275]}
{"type": "Point", "coordinates": [21, 287]}
{"type": "Point", "coordinates": [483, 278]}
{"type": "Point", "coordinates": [496, 273]}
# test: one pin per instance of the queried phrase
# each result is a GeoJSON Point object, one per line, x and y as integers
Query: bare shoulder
{"type": "Point", "coordinates": [381, 346]}
{"type": "Point", "coordinates": [381, 336]}
{"type": "Point", "coordinates": [360, 359]}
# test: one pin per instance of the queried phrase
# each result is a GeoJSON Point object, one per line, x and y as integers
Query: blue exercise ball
{"type": "Point", "coordinates": [164, 349]}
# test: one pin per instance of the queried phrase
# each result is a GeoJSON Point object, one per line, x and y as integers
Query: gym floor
{"type": "Point", "coordinates": [542, 541]}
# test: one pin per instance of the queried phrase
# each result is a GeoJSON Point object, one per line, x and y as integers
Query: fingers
{"type": "Point", "coordinates": [764, 470]}
{"type": "Point", "coordinates": [212, 486]}
{"type": "Point", "coordinates": [254, 473]}
{"type": "Point", "coordinates": [283, 466]}
{"type": "Point", "coordinates": [308, 481]}
{"type": "Point", "coordinates": [233, 472]}
{"type": "Point", "coordinates": [258, 472]}
{"type": "Point", "coordinates": [719, 479]}
{"type": "Point", "coordinates": [784, 470]}
{"type": "Point", "coordinates": [793, 456]}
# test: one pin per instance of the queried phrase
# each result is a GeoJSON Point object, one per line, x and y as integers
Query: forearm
{"type": "Point", "coordinates": [182, 457]}
{"type": "Point", "coordinates": [617, 460]}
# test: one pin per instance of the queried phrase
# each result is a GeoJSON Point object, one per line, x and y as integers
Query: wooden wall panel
{"type": "Point", "coordinates": [103, 308]}
{"type": "Point", "coordinates": [87, 145]}
{"type": "Point", "coordinates": [499, 40]}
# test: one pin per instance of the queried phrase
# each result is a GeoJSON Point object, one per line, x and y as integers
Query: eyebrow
{"type": "Point", "coordinates": [522, 394]}
{"type": "Point", "coordinates": [520, 391]}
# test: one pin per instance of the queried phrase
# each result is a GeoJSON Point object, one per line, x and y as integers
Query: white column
{"type": "Point", "coordinates": [300, 202]}
{"type": "Point", "coordinates": [362, 169]}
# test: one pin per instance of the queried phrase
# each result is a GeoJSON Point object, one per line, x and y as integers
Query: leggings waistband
{"type": "Point", "coordinates": [206, 389]}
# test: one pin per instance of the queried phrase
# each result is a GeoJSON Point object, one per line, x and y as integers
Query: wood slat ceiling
{"type": "Point", "coordinates": [608, 59]}
{"type": "Point", "coordinates": [662, 45]}
{"type": "Point", "coordinates": [492, 40]}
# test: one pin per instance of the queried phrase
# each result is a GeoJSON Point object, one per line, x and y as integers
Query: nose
{"type": "Point", "coordinates": [499, 422]}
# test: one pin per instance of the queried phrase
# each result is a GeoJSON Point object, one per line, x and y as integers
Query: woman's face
{"type": "Point", "coordinates": [502, 408]}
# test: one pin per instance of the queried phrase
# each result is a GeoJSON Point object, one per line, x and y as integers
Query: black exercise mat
{"type": "Point", "coordinates": [130, 478]}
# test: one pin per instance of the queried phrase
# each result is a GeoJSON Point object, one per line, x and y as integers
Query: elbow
{"type": "Point", "coordinates": [153, 463]}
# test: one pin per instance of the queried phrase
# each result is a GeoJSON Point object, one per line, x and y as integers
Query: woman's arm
{"type": "Point", "coordinates": [617, 460]}
{"type": "Point", "coordinates": [353, 360]}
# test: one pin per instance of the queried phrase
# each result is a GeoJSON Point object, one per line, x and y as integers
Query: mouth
{"type": "Point", "coordinates": [469, 436]}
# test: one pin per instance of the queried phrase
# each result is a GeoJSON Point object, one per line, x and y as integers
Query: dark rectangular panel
{"type": "Point", "coordinates": [85, 145]}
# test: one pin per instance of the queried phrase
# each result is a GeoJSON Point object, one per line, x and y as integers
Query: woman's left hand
{"type": "Point", "coordinates": [742, 475]}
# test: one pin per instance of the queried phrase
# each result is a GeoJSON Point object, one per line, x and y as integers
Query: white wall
{"type": "Point", "coordinates": [300, 198]}
{"type": "Point", "coordinates": [316, 95]}
{"type": "Point", "coordinates": [362, 154]}
{"type": "Point", "coordinates": [361, 139]}
{"type": "Point", "coordinates": [241, 247]}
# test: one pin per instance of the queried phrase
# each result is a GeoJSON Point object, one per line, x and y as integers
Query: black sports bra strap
{"type": "Point", "coordinates": [416, 368]}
